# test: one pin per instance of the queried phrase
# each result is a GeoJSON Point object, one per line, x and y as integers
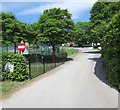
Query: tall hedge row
{"type": "Point", "coordinates": [111, 51]}
{"type": "Point", "coordinates": [20, 70]}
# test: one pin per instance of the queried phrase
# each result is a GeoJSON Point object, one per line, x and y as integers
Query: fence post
{"type": "Point", "coordinates": [14, 47]}
{"type": "Point", "coordinates": [54, 59]}
{"type": "Point", "coordinates": [61, 58]}
{"type": "Point", "coordinates": [7, 47]}
{"type": "Point", "coordinates": [43, 64]}
{"type": "Point", "coordinates": [29, 66]}
{"type": "Point", "coordinates": [66, 56]}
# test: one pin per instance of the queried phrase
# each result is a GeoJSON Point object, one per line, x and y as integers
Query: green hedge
{"type": "Point", "coordinates": [96, 46]}
{"type": "Point", "coordinates": [111, 51]}
{"type": "Point", "coordinates": [87, 45]}
{"type": "Point", "coordinates": [20, 71]}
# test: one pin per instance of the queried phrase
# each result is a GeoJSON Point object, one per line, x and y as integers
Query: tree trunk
{"type": "Point", "coordinates": [14, 47]}
{"type": "Point", "coordinates": [53, 49]}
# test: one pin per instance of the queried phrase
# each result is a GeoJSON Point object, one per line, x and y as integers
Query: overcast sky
{"type": "Point", "coordinates": [30, 11]}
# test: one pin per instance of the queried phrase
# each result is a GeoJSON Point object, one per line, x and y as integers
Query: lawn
{"type": "Point", "coordinates": [38, 68]}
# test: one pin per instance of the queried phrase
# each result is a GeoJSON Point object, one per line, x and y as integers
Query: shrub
{"type": "Point", "coordinates": [20, 72]}
{"type": "Point", "coordinates": [96, 46]}
{"type": "Point", "coordinates": [87, 45]}
{"type": "Point", "coordinates": [111, 51]}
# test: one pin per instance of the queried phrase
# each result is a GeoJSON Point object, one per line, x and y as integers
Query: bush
{"type": "Point", "coordinates": [111, 51]}
{"type": "Point", "coordinates": [20, 71]}
{"type": "Point", "coordinates": [87, 45]}
{"type": "Point", "coordinates": [96, 46]}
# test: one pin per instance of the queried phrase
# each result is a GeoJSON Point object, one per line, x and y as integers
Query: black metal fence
{"type": "Point", "coordinates": [39, 64]}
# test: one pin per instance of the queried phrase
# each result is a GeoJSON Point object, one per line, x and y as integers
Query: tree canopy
{"type": "Point", "coordinates": [54, 26]}
{"type": "Point", "coordinates": [101, 14]}
{"type": "Point", "coordinates": [82, 30]}
{"type": "Point", "coordinates": [12, 30]}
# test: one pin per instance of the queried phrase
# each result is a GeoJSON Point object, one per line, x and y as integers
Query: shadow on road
{"type": "Point", "coordinates": [99, 71]}
{"type": "Point", "coordinates": [93, 52]}
{"type": "Point", "coordinates": [69, 59]}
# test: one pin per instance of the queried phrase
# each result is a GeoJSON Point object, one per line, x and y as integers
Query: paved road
{"type": "Point", "coordinates": [76, 84]}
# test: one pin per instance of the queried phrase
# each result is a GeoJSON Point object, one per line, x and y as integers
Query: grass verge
{"type": "Point", "coordinates": [8, 87]}
{"type": "Point", "coordinates": [71, 51]}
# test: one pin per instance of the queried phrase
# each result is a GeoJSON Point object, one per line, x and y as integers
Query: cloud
{"type": "Point", "coordinates": [15, 6]}
{"type": "Point", "coordinates": [76, 7]}
{"type": "Point", "coordinates": [46, 0]}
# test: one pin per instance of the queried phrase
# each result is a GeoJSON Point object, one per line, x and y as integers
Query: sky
{"type": "Point", "coordinates": [30, 11]}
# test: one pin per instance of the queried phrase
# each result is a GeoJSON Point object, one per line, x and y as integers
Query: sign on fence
{"type": "Point", "coordinates": [26, 49]}
{"type": "Point", "coordinates": [9, 66]}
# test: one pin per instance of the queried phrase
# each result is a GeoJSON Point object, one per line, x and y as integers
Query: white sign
{"type": "Point", "coordinates": [9, 66]}
{"type": "Point", "coordinates": [25, 52]}
{"type": "Point", "coordinates": [26, 49]}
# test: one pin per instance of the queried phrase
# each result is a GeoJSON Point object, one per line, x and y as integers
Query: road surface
{"type": "Point", "coordinates": [78, 83]}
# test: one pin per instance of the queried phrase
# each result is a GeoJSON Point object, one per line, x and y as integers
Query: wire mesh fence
{"type": "Point", "coordinates": [10, 47]}
{"type": "Point", "coordinates": [31, 48]}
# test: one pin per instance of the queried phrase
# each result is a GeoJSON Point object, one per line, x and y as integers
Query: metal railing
{"type": "Point", "coordinates": [39, 64]}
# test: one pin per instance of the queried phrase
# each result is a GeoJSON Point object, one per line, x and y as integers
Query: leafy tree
{"type": "Point", "coordinates": [7, 21]}
{"type": "Point", "coordinates": [20, 32]}
{"type": "Point", "coordinates": [98, 15]}
{"type": "Point", "coordinates": [12, 30]}
{"type": "Point", "coordinates": [11, 27]}
{"type": "Point", "coordinates": [32, 32]}
{"type": "Point", "coordinates": [101, 14]}
{"type": "Point", "coordinates": [98, 32]}
{"type": "Point", "coordinates": [54, 26]}
{"type": "Point", "coordinates": [82, 33]}
{"type": "Point", "coordinates": [110, 10]}
{"type": "Point", "coordinates": [98, 12]}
